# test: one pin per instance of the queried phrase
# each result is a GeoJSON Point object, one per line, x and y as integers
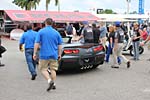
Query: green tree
{"type": "Point", "coordinates": [134, 12]}
{"type": "Point", "coordinates": [56, 4]}
{"type": "Point", "coordinates": [108, 11]}
{"type": "Point", "coordinates": [27, 4]}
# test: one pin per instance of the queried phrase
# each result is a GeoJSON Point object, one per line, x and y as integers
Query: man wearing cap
{"type": "Point", "coordinates": [118, 46]}
{"type": "Point", "coordinates": [87, 33]}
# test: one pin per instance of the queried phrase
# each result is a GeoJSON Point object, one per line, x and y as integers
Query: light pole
{"type": "Point", "coordinates": [58, 6]}
{"type": "Point", "coordinates": [128, 24]}
{"type": "Point", "coordinates": [128, 6]}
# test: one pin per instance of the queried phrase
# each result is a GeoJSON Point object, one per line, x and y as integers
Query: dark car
{"type": "Point", "coordinates": [81, 56]}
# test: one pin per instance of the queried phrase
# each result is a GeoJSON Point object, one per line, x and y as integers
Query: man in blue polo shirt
{"type": "Point", "coordinates": [49, 41]}
{"type": "Point", "coordinates": [28, 38]}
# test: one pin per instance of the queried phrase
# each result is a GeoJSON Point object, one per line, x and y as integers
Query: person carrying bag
{"type": "Point", "coordinates": [2, 50]}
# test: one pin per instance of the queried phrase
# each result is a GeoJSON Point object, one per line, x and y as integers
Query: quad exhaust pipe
{"type": "Point", "coordinates": [84, 67]}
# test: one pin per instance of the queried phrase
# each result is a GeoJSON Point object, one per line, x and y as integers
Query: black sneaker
{"type": "Point", "coordinates": [119, 63]}
{"type": "Point", "coordinates": [51, 84]}
{"type": "Point", "coordinates": [2, 65]}
{"type": "Point", "coordinates": [128, 64]}
{"type": "Point", "coordinates": [33, 77]}
{"type": "Point", "coordinates": [133, 58]}
{"type": "Point", "coordinates": [54, 87]}
{"type": "Point", "coordinates": [113, 66]}
{"type": "Point", "coordinates": [148, 59]}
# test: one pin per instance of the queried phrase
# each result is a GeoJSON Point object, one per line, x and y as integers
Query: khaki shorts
{"type": "Point", "coordinates": [45, 64]}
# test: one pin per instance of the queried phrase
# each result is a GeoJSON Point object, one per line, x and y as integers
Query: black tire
{"type": "Point", "coordinates": [141, 50]}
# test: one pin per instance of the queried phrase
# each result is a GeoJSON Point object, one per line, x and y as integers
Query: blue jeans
{"type": "Point", "coordinates": [29, 59]}
{"type": "Point", "coordinates": [109, 51]}
{"type": "Point", "coordinates": [136, 49]}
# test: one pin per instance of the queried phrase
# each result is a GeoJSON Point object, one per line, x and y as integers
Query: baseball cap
{"type": "Point", "coordinates": [85, 22]}
{"type": "Point", "coordinates": [117, 24]}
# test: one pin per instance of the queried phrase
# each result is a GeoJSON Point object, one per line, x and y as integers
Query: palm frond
{"type": "Point", "coordinates": [56, 2]}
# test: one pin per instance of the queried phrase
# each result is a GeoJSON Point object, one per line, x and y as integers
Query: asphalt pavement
{"type": "Point", "coordinates": [102, 83]}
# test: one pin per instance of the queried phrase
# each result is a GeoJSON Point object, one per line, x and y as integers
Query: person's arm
{"type": "Point", "coordinates": [82, 35]}
{"type": "Point", "coordinates": [74, 32]}
{"type": "Point", "coordinates": [21, 47]}
{"type": "Point", "coordinates": [116, 41]}
{"type": "Point", "coordinates": [111, 42]}
{"type": "Point", "coordinates": [36, 47]}
{"type": "Point", "coordinates": [144, 42]}
{"type": "Point", "coordinates": [140, 31]}
{"type": "Point", "coordinates": [0, 41]}
{"type": "Point", "coordinates": [60, 41]}
{"type": "Point", "coordinates": [59, 52]}
{"type": "Point", "coordinates": [147, 39]}
{"type": "Point", "coordinates": [21, 42]}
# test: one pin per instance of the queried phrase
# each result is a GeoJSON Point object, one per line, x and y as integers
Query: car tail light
{"type": "Point", "coordinates": [99, 48]}
{"type": "Point", "coordinates": [71, 51]}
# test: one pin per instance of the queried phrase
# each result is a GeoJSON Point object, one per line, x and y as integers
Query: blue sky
{"type": "Point", "coordinates": [119, 6]}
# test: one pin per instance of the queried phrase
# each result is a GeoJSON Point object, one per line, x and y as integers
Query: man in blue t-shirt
{"type": "Point", "coordinates": [50, 43]}
{"type": "Point", "coordinates": [28, 38]}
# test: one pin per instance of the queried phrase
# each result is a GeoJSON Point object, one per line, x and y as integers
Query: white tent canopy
{"type": "Point", "coordinates": [116, 19]}
{"type": "Point", "coordinates": [132, 16]}
{"type": "Point", "coordinates": [121, 17]}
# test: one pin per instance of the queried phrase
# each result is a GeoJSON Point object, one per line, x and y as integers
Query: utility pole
{"type": "Point", "coordinates": [128, 6]}
{"type": "Point", "coordinates": [128, 9]}
{"type": "Point", "coordinates": [58, 6]}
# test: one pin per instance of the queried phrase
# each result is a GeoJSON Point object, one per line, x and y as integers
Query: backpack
{"type": "Point", "coordinates": [69, 30]}
{"type": "Point", "coordinates": [88, 34]}
{"type": "Point", "coordinates": [120, 36]}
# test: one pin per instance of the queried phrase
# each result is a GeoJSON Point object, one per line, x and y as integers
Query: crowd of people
{"type": "Point", "coordinates": [117, 35]}
{"type": "Point", "coordinates": [45, 44]}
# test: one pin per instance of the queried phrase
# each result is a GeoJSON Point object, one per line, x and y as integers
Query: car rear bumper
{"type": "Point", "coordinates": [78, 62]}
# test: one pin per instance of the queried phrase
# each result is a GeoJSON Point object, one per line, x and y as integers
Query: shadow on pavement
{"type": "Point", "coordinates": [76, 72]}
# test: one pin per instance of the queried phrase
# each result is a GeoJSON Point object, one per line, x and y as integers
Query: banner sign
{"type": "Point", "coordinates": [141, 6]}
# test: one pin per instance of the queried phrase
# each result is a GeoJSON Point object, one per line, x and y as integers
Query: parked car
{"type": "Point", "coordinates": [81, 56]}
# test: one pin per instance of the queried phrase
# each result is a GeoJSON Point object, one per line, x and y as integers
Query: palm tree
{"type": "Point", "coordinates": [27, 4]}
{"type": "Point", "coordinates": [56, 4]}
